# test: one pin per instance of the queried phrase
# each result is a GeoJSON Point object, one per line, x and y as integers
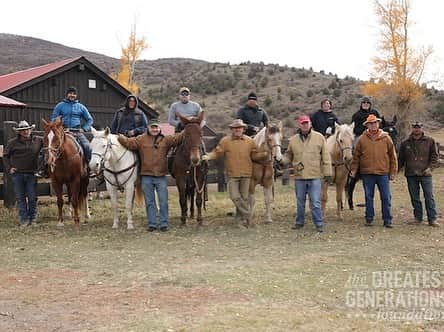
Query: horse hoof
{"type": "Point", "coordinates": [130, 227]}
{"type": "Point", "coordinates": [115, 226]}
{"type": "Point", "coordinates": [60, 224]}
{"type": "Point", "coordinates": [268, 221]}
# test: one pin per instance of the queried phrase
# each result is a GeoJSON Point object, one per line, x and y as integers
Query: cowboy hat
{"type": "Point", "coordinates": [23, 125]}
{"type": "Point", "coordinates": [237, 124]}
{"type": "Point", "coordinates": [371, 119]}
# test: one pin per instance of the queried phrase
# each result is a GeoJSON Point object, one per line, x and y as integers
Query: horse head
{"type": "Point", "coordinates": [53, 140]}
{"type": "Point", "coordinates": [274, 139]}
{"type": "Point", "coordinates": [100, 144]}
{"type": "Point", "coordinates": [343, 139]}
{"type": "Point", "coordinates": [192, 136]}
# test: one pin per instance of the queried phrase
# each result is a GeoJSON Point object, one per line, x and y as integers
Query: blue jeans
{"type": "Point", "coordinates": [313, 188]}
{"type": "Point", "coordinates": [84, 143]}
{"type": "Point", "coordinates": [150, 185]}
{"type": "Point", "coordinates": [383, 183]}
{"type": "Point", "coordinates": [413, 183]}
{"type": "Point", "coordinates": [25, 188]}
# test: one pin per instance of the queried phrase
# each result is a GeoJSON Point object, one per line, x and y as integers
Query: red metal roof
{"type": "Point", "coordinates": [5, 101]}
{"type": "Point", "coordinates": [11, 80]}
{"type": "Point", "coordinates": [167, 129]}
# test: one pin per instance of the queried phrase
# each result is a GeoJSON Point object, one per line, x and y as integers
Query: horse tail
{"type": "Point", "coordinates": [83, 193]}
{"type": "Point", "coordinates": [139, 198]}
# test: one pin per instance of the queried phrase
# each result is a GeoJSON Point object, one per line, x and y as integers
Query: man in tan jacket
{"type": "Point", "coordinates": [153, 148]}
{"type": "Point", "coordinates": [307, 152]}
{"type": "Point", "coordinates": [239, 151]}
{"type": "Point", "coordinates": [375, 158]}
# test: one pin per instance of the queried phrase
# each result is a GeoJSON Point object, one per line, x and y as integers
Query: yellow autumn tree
{"type": "Point", "coordinates": [130, 55]}
{"type": "Point", "coordinates": [399, 68]}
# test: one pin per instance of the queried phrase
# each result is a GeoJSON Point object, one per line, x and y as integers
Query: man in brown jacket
{"type": "Point", "coordinates": [375, 157]}
{"type": "Point", "coordinates": [239, 151]}
{"type": "Point", "coordinates": [419, 155]}
{"type": "Point", "coordinates": [153, 148]}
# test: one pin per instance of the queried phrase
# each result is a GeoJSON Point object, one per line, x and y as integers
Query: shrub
{"type": "Point", "coordinates": [309, 93]}
{"type": "Point", "coordinates": [268, 101]}
{"type": "Point", "coordinates": [337, 93]}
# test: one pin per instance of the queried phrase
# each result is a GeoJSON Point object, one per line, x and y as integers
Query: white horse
{"type": "Point", "coordinates": [119, 166]}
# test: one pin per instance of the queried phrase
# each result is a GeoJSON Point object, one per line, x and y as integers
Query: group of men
{"type": "Point", "coordinates": [374, 156]}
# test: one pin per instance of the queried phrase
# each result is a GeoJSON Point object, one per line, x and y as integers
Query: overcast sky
{"type": "Point", "coordinates": [337, 36]}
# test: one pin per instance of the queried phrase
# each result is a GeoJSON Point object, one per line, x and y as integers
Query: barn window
{"type": "Point", "coordinates": [92, 84]}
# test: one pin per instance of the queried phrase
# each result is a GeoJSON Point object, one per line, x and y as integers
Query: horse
{"type": "Point", "coordinates": [189, 170]}
{"type": "Point", "coordinates": [66, 164]}
{"type": "Point", "coordinates": [340, 147]}
{"type": "Point", "coordinates": [119, 167]}
{"type": "Point", "coordinates": [267, 139]}
{"type": "Point", "coordinates": [390, 128]}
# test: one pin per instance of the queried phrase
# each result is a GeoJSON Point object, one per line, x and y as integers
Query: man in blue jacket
{"type": "Point", "coordinates": [72, 113]}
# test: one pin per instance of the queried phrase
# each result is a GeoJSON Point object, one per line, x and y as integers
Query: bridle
{"type": "Point", "coordinates": [342, 149]}
{"type": "Point", "coordinates": [58, 151]}
{"type": "Point", "coordinates": [103, 168]}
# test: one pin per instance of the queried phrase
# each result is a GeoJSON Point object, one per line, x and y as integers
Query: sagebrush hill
{"type": "Point", "coordinates": [283, 91]}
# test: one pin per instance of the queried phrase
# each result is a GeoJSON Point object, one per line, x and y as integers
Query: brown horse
{"type": "Point", "coordinates": [268, 139]}
{"type": "Point", "coordinates": [340, 147]}
{"type": "Point", "coordinates": [66, 166]}
{"type": "Point", "coordinates": [189, 170]}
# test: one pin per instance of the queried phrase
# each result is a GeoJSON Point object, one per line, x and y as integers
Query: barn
{"type": "Point", "coordinates": [31, 94]}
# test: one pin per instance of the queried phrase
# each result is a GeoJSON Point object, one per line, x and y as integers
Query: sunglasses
{"type": "Point", "coordinates": [365, 102]}
{"type": "Point", "coordinates": [184, 94]}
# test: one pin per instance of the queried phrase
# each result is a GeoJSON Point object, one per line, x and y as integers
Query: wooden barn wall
{"type": "Point", "coordinates": [102, 102]}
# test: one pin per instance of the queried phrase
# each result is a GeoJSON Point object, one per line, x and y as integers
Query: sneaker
{"type": "Point", "coordinates": [434, 223]}
{"type": "Point", "coordinates": [151, 229]}
{"type": "Point", "coordinates": [320, 228]}
{"type": "Point", "coordinates": [369, 222]}
{"type": "Point", "coordinates": [164, 229]}
{"type": "Point", "coordinates": [297, 226]}
{"type": "Point", "coordinates": [388, 225]}
{"type": "Point", "coordinates": [24, 224]}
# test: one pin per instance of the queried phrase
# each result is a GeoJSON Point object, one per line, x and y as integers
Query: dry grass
{"type": "Point", "coordinates": [216, 278]}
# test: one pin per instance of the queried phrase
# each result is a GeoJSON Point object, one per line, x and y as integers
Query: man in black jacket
{"type": "Point", "coordinates": [129, 120]}
{"type": "Point", "coordinates": [360, 116]}
{"type": "Point", "coordinates": [20, 158]}
{"type": "Point", "coordinates": [252, 115]}
{"type": "Point", "coordinates": [323, 121]}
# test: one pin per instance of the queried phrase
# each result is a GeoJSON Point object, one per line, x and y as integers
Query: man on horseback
{"type": "Point", "coordinates": [72, 113]}
{"type": "Point", "coordinates": [129, 120]}
{"type": "Point", "coordinates": [252, 115]}
{"type": "Point", "coordinates": [361, 115]}
{"type": "Point", "coordinates": [184, 107]}
{"type": "Point", "coordinates": [323, 120]}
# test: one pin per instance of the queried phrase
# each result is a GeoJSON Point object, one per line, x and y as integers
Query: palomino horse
{"type": "Point", "coordinates": [189, 170]}
{"type": "Point", "coordinates": [267, 139]}
{"type": "Point", "coordinates": [66, 166]}
{"type": "Point", "coordinates": [340, 147]}
{"type": "Point", "coordinates": [119, 167]}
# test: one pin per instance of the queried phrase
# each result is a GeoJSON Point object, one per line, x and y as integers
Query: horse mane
{"type": "Point", "coordinates": [260, 137]}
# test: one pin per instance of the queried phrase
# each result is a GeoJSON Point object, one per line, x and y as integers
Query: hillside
{"type": "Point", "coordinates": [219, 87]}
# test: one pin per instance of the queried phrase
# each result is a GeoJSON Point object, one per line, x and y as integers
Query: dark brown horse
{"type": "Point", "coordinates": [66, 166]}
{"type": "Point", "coordinates": [189, 170]}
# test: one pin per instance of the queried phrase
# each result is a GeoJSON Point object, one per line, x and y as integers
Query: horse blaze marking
{"type": "Point", "coordinates": [50, 138]}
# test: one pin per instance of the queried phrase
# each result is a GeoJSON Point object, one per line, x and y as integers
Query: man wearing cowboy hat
{"type": "Point", "coordinates": [238, 151]}
{"type": "Point", "coordinates": [375, 158]}
{"type": "Point", "coordinates": [20, 158]}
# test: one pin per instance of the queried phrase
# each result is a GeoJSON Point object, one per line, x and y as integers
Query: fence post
{"type": "Point", "coordinates": [8, 186]}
